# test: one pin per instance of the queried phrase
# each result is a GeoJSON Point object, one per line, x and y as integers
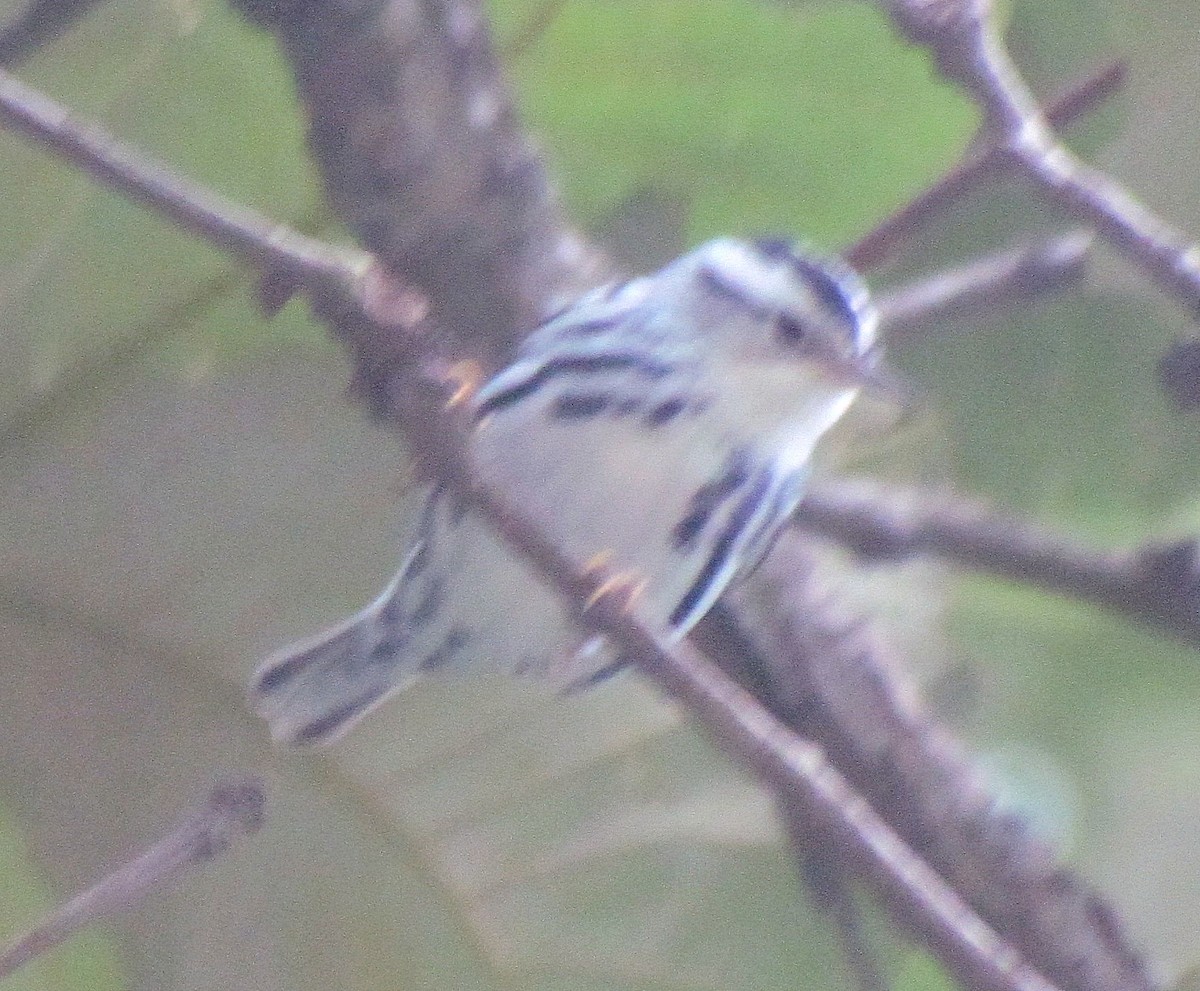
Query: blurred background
{"type": "Point", "coordinates": [185, 486]}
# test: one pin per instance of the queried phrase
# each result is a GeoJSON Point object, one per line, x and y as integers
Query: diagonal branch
{"type": "Point", "coordinates": [231, 809]}
{"type": "Point", "coordinates": [964, 38]}
{"type": "Point", "coordinates": [880, 243]}
{"type": "Point", "coordinates": [271, 248]}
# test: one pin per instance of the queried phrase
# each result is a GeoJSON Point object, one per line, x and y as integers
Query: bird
{"type": "Point", "coordinates": [663, 426]}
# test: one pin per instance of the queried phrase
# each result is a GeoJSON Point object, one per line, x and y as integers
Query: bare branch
{"type": "Point", "coordinates": [272, 248]}
{"type": "Point", "coordinates": [1157, 585]}
{"type": "Point", "coordinates": [420, 146]}
{"type": "Point", "coordinates": [963, 37]}
{"type": "Point", "coordinates": [232, 809]}
{"type": "Point", "coordinates": [877, 245]}
{"type": "Point", "coordinates": [987, 284]}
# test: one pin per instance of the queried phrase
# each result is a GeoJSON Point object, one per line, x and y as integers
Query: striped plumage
{"type": "Point", "coordinates": [666, 422]}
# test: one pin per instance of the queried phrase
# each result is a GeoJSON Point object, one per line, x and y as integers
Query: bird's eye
{"type": "Point", "coordinates": [789, 327]}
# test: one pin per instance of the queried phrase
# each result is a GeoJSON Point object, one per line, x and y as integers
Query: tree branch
{"type": "Point", "coordinates": [1157, 585]}
{"type": "Point", "coordinates": [991, 283]}
{"type": "Point", "coordinates": [964, 39]}
{"type": "Point", "coordinates": [886, 238]}
{"type": "Point", "coordinates": [231, 809]}
{"type": "Point", "coordinates": [271, 248]}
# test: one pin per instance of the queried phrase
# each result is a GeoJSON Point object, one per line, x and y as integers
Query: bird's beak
{"type": "Point", "coordinates": [868, 371]}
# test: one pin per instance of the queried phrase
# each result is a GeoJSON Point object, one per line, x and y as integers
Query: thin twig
{"type": "Point", "coordinates": [534, 29]}
{"type": "Point", "coordinates": [1156, 585]}
{"type": "Point", "coordinates": [987, 284]}
{"type": "Point", "coordinates": [231, 809]}
{"type": "Point", "coordinates": [964, 38]}
{"type": "Point", "coordinates": [272, 248]}
{"type": "Point", "coordinates": [877, 245]}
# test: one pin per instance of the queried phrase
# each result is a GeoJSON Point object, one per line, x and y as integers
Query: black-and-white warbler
{"type": "Point", "coordinates": [666, 423]}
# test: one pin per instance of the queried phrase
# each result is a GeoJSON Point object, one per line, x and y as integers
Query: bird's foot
{"type": "Point", "coordinates": [463, 378]}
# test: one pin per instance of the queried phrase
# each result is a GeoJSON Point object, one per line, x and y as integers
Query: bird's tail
{"type": "Point", "coordinates": [314, 691]}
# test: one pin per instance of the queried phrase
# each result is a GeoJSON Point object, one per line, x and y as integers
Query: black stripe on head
{"type": "Point", "coordinates": [730, 539]}
{"type": "Point", "coordinates": [776, 248]}
{"type": "Point", "coordinates": [719, 284]}
{"type": "Point", "coordinates": [582, 365]}
{"type": "Point", "coordinates": [836, 285]}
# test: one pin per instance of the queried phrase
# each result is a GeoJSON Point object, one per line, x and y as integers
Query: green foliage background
{"type": "Point", "coordinates": [183, 487]}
